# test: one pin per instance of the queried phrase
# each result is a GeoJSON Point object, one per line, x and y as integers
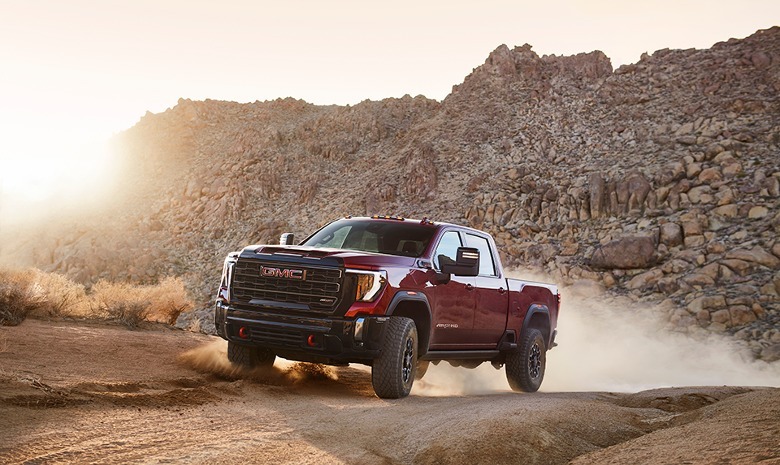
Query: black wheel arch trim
{"type": "Point", "coordinates": [539, 309]}
{"type": "Point", "coordinates": [414, 296]}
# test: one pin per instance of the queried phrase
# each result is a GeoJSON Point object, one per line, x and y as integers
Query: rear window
{"type": "Point", "coordinates": [387, 237]}
{"type": "Point", "coordinates": [486, 266]}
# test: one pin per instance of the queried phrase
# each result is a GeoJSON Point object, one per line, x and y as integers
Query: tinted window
{"type": "Point", "coordinates": [448, 248]}
{"type": "Point", "coordinates": [486, 266]}
{"type": "Point", "coordinates": [393, 238]}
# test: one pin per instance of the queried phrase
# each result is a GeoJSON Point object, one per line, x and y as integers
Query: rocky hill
{"type": "Point", "coordinates": [659, 180]}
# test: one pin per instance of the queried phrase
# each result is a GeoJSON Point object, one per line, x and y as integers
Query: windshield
{"type": "Point", "coordinates": [392, 238]}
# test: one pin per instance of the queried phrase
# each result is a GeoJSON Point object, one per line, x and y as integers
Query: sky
{"type": "Point", "coordinates": [75, 72]}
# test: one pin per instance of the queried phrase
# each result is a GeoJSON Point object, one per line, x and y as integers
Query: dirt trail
{"type": "Point", "coordinates": [92, 393]}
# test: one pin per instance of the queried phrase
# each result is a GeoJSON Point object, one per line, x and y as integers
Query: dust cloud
{"type": "Point", "coordinates": [606, 343]}
{"type": "Point", "coordinates": [212, 359]}
{"type": "Point", "coordinates": [613, 344]}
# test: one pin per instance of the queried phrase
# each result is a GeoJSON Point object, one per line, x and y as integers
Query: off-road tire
{"type": "Point", "coordinates": [525, 366]}
{"type": "Point", "coordinates": [392, 373]}
{"type": "Point", "coordinates": [250, 357]}
{"type": "Point", "coordinates": [422, 368]}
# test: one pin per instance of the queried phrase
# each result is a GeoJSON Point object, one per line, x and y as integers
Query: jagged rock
{"type": "Point", "coordinates": [625, 253]}
{"type": "Point", "coordinates": [597, 195]}
{"type": "Point", "coordinates": [755, 255]}
{"type": "Point", "coordinates": [739, 267]}
{"type": "Point", "coordinates": [646, 279]}
{"type": "Point", "coordinates": [706, 302]}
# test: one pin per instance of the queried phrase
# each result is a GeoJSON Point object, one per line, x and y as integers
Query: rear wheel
{"type": "Point", "coordinates": [392, 374]}
{"type": "Point", "coordinates": [249, 356]}
{"type": "Point", "coordinates": [525, 366]}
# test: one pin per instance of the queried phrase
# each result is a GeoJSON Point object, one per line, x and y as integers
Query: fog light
{"type": "Point", "coordinates": [243, 332]}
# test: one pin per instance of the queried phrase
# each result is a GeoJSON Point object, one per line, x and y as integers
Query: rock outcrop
{"type": "Point", "coordinates": [659, 180]}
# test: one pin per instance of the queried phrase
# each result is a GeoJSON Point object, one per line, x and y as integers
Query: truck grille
{"type": "Point", "coordinates": [316, 289]}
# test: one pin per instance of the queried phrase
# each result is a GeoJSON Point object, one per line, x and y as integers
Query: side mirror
{"type": "Point", "coordinates": [466, 263]}
{"type": "Point", "coordinates": [287, 239]}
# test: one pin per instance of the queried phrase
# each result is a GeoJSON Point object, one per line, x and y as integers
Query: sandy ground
{"type": "Point", "coordinates": [76, 393]}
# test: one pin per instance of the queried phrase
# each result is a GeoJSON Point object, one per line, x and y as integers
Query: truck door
{"type": "Point", "coordinates": [492, 295]}
{"type": "Point", "coordinates": [453, 309]}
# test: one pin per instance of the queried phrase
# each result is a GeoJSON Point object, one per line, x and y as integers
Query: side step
{"type": "Point", "coordinates": [507, 346]}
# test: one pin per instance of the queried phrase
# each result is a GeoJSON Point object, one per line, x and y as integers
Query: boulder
{"type": "Point", "coordinates": [694, 241]}
{"type": "Point", "coordinates": [625, 253]}
{"type": "Point", "coordinates": [755, 255]}
{"type": "Point", "coordinates": [597, 195]}
{"type": "Point", "coordinates": [706, 302]}
{"type": "Point", "coordinates": [741, 315]}
{"type": "Point", "coordinates": [726, 211]}
{"type": "Point", "coordinates": [721, 316]}
{"type": "Point", "coordinates": [645, 280]}
{"type": "Point", "coordinates": [739, 267]}
{"type": "Point", "coordinates": [671, 234]}
{"type": "Point", "coordinates": [758, 212]}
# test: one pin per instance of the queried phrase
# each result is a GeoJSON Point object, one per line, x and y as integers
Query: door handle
{"type": "Point", "coordinates": [469, 287]}
{"type": "Point", "coordinates": [501, 290]}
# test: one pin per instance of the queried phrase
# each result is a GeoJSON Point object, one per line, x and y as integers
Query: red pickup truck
{"type": "Point", "coordinates": [391, 293]}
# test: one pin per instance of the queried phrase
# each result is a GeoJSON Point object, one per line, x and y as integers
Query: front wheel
{"type": "Point", "coordinates": [525, 366]}
{"type": "Point", "coordinates": [392, 374]}
{"type": "Point", "coordinates": [250, 357]}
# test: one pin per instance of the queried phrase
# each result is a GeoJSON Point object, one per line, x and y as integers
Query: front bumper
{"type": "Point", "coordinates": [329, 340]}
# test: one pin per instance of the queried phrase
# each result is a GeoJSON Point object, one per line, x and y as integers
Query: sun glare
{"type": "Point", "coordinates": [51, 175]}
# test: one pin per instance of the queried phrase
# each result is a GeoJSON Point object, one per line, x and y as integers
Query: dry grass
{"type": "Point", "coordinates": [167, 300]}
{"type": "Point", "coordinates": [121, 302]}
{"type": "Point", "coordinates": [20, 295]}
{"type": "Point", "coordinates": [38, 294]}
{"type": "Point", "coordinates": [62, 296]}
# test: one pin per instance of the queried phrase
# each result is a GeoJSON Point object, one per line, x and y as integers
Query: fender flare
{"type": "Point", "coordinates": [414, 296]}
{"type": "Point", "coordinates": [538, 309]}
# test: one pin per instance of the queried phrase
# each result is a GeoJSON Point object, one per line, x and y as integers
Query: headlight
{"type": "Point", "coordinates": [227, 272]}
{"type": "Point", "coordinates": [368, 284]}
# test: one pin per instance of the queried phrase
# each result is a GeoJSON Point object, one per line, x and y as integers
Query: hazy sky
{"type": "Point", "coordinates": [75, 71]}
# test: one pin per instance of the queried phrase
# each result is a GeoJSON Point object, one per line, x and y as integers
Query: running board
{"type": "Point", "coordinates": [461, 355]}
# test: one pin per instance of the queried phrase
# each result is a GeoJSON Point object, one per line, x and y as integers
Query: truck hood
{"type": "Point", "coordinates": [359, 259]}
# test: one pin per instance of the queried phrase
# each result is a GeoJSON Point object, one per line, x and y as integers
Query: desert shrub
{"type": "Point", "coordinates": [130, 313]}
{"type": "Point", "coordinates": [118, 301]}
{"type": "Point", "coordinates": [38, 294]}
{"type": "Point", "coordinates": [20, 294]}
{"type": "Point", "coordinates": [166, 300]}
{"type": "Point", "coordinates": [62, 296]}
{"type": "Point", "coordinates": [130, 304]}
